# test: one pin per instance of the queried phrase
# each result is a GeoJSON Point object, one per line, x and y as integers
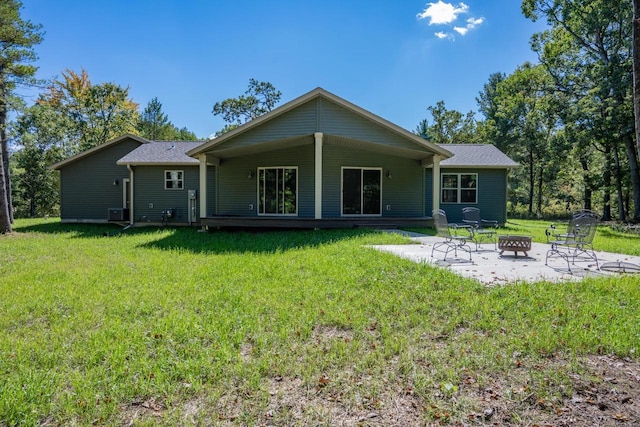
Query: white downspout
{"type": "Point", "coordinates": [318, 174]}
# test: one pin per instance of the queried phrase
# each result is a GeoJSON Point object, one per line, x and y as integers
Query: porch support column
{"type": "Point", "coordinates": [436, 183]}
{"type": "Point", "coordinates": [203, 185]}
{"type": "Point", "coordinates": [318, 174]}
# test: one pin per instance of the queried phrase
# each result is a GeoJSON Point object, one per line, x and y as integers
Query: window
{"type": "Point", "coordinates": [278, 191]}
{"type": "Point", "coordinates": [459, 188]}
{"type": "Point", "coordinates": [361, 191]}
{"type": "Point", "coordinates": [173, 180]}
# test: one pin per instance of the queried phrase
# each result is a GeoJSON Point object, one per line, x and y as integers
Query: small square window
{"type": "Point", "coordinates": [459, 188]}
{"type": "Point", "coordinates": [173, 180]}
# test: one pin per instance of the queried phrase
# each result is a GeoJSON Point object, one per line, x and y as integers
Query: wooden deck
{"type": "Point", "coordinates": [215, 222]}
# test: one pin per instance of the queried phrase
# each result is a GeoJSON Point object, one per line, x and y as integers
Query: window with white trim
{"type": "Point", "coordinates": [278, 191]}
{"type": "Point", "coordinates": [173, 180]}
{"type": "Point", "coordinates": [459, 187]}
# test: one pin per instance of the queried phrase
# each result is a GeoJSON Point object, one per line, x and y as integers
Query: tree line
{"type": "Point", "coordinates": [568, 118]}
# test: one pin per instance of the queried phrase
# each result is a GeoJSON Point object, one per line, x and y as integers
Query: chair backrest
{"type": "Point", "coordinates": [584, 212]}
{"type": "Point", "coordinates": [583, 228]}
{"type": "Point", "coordinates": [471, 215]}
{"type": "Point", "coordinates": [441, 223]}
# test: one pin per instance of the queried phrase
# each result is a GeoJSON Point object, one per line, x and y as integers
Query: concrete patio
{"type": "Point", "coordinates": [490, 268]}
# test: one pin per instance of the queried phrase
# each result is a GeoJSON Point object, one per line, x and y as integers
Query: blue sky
{"type": "Point", "coordinates": [393, 58]}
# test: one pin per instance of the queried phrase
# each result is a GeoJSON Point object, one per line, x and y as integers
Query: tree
{"type": "Point", "coordinates": [155, 125]}
{"type": "Point", "coordinates": [587, 52]}
{"type": "Point", "coordinates": [525, 108]}
{"type": "Point", "coordinates": [17, 40]}
{"type": "Point", "coordinates": [449, 126]}
{"type": "Point", "coordinates": [40, 135]}
{"type": "Point", "coordinates": [98, 113]}
{"type": "Point", "coordinates": [258, 99]}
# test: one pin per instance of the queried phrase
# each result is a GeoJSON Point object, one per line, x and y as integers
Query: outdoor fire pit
{"type": "Point", "coordinates": [515, 244]}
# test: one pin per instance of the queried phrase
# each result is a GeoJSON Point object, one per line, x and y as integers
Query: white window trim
{"type": "Point", "coordinates": [458, 189]}
{"type": "Point", "coordinates": [362, 168]}
{"type": "Point", "coordinates": [258, 190]}
{"type": "Point", "coordinates": [165, 179]}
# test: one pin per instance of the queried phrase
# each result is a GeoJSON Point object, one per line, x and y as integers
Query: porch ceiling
{"type": "Point", "coordinates": [353, 143]}
{"type": "Point", "coordinates": [358, 144]}
{"type": "Point", "coordinates": [262, 147]}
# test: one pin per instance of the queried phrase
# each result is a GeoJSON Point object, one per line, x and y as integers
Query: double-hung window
{"type": "Point", "coordinates": [278, 191]}
{"type": "Point", "coordinates": [173, 180]}
{"type": "Point", "coordinates": [459, 188]}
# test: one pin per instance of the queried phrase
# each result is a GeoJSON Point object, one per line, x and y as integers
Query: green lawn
{"type": "Point", "coordinates": [173, 326]}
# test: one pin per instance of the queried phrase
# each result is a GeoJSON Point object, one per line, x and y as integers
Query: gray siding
{"type": "Point", "coordinates": [337, 120]}
{"type": "Point", "coordinates": [492, 198]}
{"type": "Point", "coordinates": [404, 192]}
{"type": "Point", "coordinates": [300, 121]}
{"type": "Point", "coordinates": [86, 186]}
{"type": "Point", "coordinates": [236, 192]}
{"type": "Point", "coordinates": [150, 197]}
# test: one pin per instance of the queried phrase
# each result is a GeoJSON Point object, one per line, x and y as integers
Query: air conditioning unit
{"type": "Point", "coordinates": [118, 214]}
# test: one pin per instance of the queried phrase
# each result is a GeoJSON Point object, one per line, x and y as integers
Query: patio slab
{"type": "Point", "coordinates": [490, 268]}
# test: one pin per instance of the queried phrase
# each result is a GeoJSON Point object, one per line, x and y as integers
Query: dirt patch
{"type": "Point", "coordinates": [142, 409]}
{"type": "Point", "coordinates": [327, 333]}
{"type": "Point", "coordinates": [603, 393]}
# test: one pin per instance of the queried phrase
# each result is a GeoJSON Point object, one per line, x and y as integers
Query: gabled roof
{"type": "Point", "coordinates": [162, 153]}
{"type": "Point", "coordinates": [316, 93]}
{"type": "Point", "coordinates": [477, 156]}
{"type": "Point", "coordinates": [97, 148]}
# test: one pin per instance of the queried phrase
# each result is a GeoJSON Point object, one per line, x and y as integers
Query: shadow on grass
{"type": "Point", "coordinates": [56, 227]}
{"type": "Point", "coordinates": [192, 240]}
{"type": "Point", "coordinates": [226, 242]}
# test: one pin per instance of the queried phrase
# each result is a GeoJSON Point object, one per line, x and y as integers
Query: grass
{"type": "Point", "coordinates": [172, 326]}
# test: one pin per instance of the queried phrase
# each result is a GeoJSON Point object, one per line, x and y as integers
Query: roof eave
{"type": "Point", "coordinates": [157, 163]}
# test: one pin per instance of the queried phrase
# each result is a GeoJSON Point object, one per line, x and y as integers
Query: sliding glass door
{"type": "Point", "coordinates": [278, 191]}
{"type": "Point", "coordinates": [361, 191]}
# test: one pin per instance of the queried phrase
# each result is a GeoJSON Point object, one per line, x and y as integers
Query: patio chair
{"type": "Point", "coordinates": [455, 236]}
{"type": "Point", "coordinates": [484, 230]}
{"type": "Point", "coordinates": [576, 242]}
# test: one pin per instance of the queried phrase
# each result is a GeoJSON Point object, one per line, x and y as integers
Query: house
{"type": "Point", "coordinates": [317, 161]}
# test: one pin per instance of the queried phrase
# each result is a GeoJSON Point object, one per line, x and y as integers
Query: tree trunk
{"type": "Point", "coordinates": [634, 171]}
{"type": "Point", "coordinates": [606, 177]}
{"type": "Point", "coordinates": [5, 199]}
{"type": "Point", "coordinates": [539, 197]}
{"type": "Point", "coordinates": [636, 108]}
{"type": "Point", "coordinates": [531, 182]}
{"type": "Point", "coordinates": [618, 175]}
{"type": "Point", "coordinates": [587, 184]}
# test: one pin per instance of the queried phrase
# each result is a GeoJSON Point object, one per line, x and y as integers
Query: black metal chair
{"type": "Point", "coordinates": [484, 230]}
{"type": "Point", "coordinates": [455, 236]}
{"type": "Point", "coordinates": [576, 243]}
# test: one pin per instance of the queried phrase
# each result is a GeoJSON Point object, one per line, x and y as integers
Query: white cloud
{"type": "Point", "coordinates": [461, 30]}
{"type": "Point", "coordinates": [442, 35]}
{"type": "Point", "coordinates": [472, 22]}
{"type": "Point", "coordinates": [442, 13]}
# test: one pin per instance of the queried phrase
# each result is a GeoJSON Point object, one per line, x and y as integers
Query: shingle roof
{"type": "Point", "coordinates": [476, 155]}
{"type": "Point", "coordinates": [162, 153]}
